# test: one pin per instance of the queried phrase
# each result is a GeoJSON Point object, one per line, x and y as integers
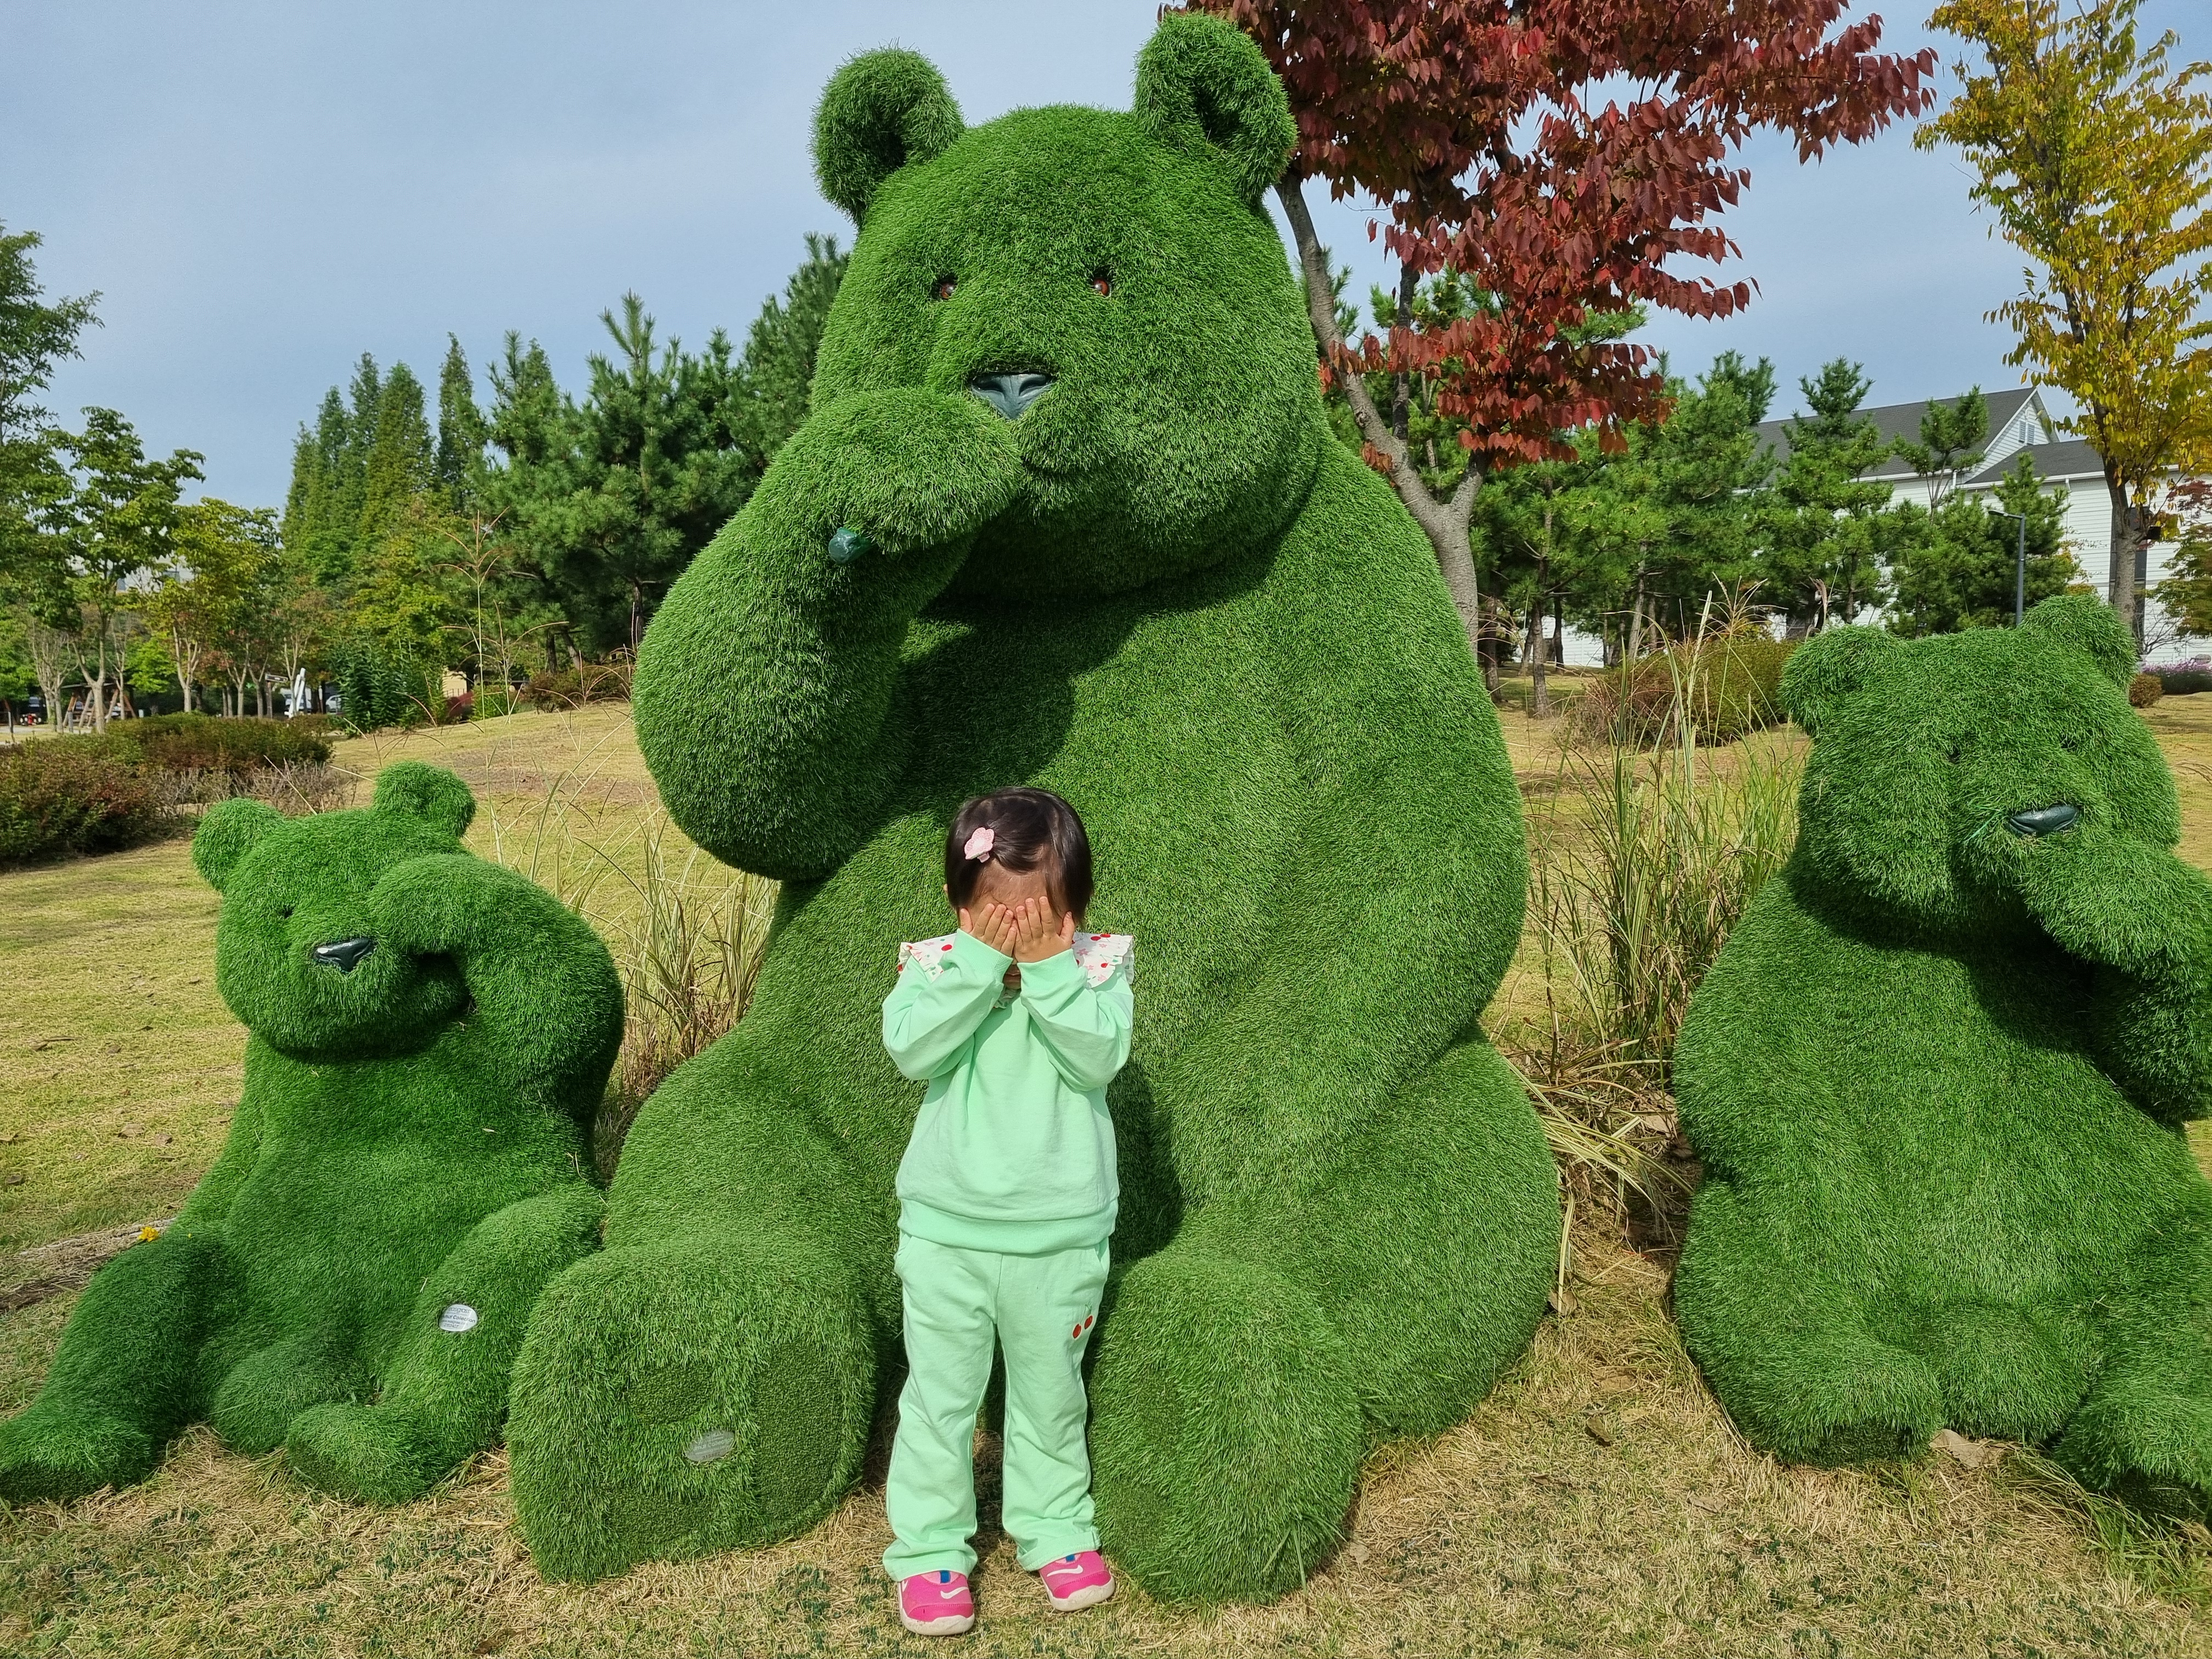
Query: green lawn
{"type": "Point", "coordinates": [1598, 1503]}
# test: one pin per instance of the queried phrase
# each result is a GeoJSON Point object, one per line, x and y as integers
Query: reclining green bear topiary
{"type": "Point", "coordinates": [1101, 540]}
{"type": "Point", "coordinates": [430, 1034]}
{"type": "Point", "coordinates": [1938, 1075]}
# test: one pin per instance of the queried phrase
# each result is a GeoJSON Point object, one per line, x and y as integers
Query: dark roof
{"type": "Point", "coordinates": [1895, 421]}
{"type": "Point", "coordinates": [2068, 458]}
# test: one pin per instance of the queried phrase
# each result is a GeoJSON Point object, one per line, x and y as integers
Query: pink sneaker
{"type": "Point", "coordinates": [937, 1604]}
{"type": "Point", "coordinates": [1076, 1581]}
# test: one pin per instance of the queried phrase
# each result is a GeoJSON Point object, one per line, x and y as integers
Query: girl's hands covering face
{"type": "Point", "coordinates": [1026, 932]}
{"type": "Point", "coordinates": [997, 925]}
{"type": "Point", "coordinates": [1037, 935]}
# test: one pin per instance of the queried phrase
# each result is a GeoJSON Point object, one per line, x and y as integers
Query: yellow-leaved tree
{"type": "Point", "coordinates": [2095, 155]}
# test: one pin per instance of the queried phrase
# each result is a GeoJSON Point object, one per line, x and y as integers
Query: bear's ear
{"type": "Point", "coordinates": [1200, 81]}
{"type": "Point", "coordinates": [430, 793]}
{"type": "Point", "coordinates": [882, 110]}
{"type": "Point", "coordinates": [2091, 627]}
{"type": "Point", "coordinates": [1827, 669]}
{"type": "Point", "coordinates": [227, 834]}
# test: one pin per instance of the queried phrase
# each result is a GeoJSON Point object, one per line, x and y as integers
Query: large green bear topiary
{"type": "Point", "coordinates": [1069, 513]}
{"type": "Point", "coordinates": [1937, 1077]}
{"type": "Point", "coordinates": [429, 1035]}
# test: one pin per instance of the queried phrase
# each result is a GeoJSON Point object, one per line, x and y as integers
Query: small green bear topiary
{"type": "Point", "coordinates": [1069, 513]}
{"type": "Point", "coordinates": [429, 1035]}
{"type": "Point", "coordinates": [1937, 1077]}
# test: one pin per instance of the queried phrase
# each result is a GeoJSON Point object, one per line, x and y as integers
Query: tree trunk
{"type": "Point", "coordinates": [1540, 686]}
{"type": "Point", "coordinates": [1636, 620]}
{"type": "Point", "coordinates": [2126, 548]}
{"type": "Point", "coordinates": [98, 689]}
{"type": "Point", "coordinates": [1401, 383]}
{"type": "Point", "coordinates": [1444, 522]}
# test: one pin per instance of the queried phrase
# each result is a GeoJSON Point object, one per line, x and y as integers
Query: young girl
{"type": "Point", "coordinates": [1006, 1194]}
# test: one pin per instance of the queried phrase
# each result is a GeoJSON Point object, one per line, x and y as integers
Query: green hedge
{"type": "Point", "coordinates": [1724, 687]}
{"type": "Point", "coordinates": [214, 742]}
{"type": "Point", "coordinates": [73, 795]}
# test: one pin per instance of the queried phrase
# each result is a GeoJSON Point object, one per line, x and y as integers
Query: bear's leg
{"type": "Point", "coordinates": [258, 1397]}
{"type": "Point", "coordinates": [121, 1384]}
{"type": "Point", "coordinates": [1787, 1350]}
{"type": "Point", "coordinates": [711, 1385]}
{"type": "Point", "coordinates": [2145, 1431]}
{"type": "Point", "coordinates": [445, 1391]}
{"type": "Point", "coordinates": [1244, 1370]}
{"type": "Point", "coordinates": [2012, 1371]}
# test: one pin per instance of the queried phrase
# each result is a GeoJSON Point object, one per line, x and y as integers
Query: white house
{"type": "Point", "coordinates": [2020, 422]}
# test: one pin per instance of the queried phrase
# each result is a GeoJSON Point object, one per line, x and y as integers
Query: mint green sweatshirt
{"type": "Point", "coordinates": [1013, 1150]}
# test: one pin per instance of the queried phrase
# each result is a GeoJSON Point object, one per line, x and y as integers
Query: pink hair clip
{"type": "Point", "coordinates": [980, 845]}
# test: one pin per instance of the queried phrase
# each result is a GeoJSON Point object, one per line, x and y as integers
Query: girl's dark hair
{"type": "Point", "coordinates": [1030, 827]}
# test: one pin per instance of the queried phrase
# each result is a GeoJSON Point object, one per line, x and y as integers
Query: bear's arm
{"type": "Point", "coordinates": [546, 997]}
{"type": "Point", "coordinates": [765, 693]}
{"type": "Point", "coordinates": [2142, 918]}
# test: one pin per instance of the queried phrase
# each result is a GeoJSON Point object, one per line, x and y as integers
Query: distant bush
{"type": "Point", "coordinates": [2145, 690]}
{"type": "Point", "coordinates": [1724, 686]}
{"type": "Point", "coordinates": [216, 743]}
{"type": "Point", "coordinates": [572, 688]}
{"type": "Point", "coordinates": [61, 795]}
{"type": "Point", "coordinates": [2186, 678]}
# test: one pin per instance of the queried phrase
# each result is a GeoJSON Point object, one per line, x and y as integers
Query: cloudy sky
{"type": "Point", "coordinates": [261, 192]}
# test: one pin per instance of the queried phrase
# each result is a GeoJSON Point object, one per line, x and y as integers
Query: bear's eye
{"type": "Point", "coordinates": [942, 289]}
{"type": "Point", "coordinates": [284, 912]}
{"type": "Point", "coordinates": [1102, 280]}
{"type": "Point", "coordinates": [2069, 743]}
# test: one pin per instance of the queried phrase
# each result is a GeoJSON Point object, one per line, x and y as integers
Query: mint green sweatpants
{"type": "Point", "coordinates": [1041, 1309]}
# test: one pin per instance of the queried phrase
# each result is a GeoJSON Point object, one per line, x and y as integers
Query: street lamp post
{"type": "Point", "coordinates": [2019, 567]}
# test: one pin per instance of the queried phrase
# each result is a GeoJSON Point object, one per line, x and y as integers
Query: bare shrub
{"type": "Point", "coordinates": [689, 962]}
{"type": "Point", "coordinates": [294, 788]}
{"type": "Point", "coordinates": [686, 932]}
{"type": "Point", "coordinates": [1642, 858]}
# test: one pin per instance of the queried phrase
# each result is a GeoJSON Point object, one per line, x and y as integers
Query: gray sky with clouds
{"type": "Point", "coordinates": [261, 192]}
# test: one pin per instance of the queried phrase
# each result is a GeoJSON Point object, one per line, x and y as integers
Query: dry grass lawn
{"type": "Point", "coordinates": [1598, 1503]}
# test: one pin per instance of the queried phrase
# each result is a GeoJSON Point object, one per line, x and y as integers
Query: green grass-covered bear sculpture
{"type": "Point", "coordinates": [1938, 1074]}
{"type": "Point", "coordinates": [1105, 544]}
{"type": "Point", "coordinates": [430, 1034]}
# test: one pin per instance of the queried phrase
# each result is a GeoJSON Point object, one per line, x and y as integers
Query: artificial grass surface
{"type": "Point", "coordinates": [430, 1037]}
{"type": "Point", "coordinates": [1162, 590]}
{"type": "Point", "coordinates": [1936, 1075]}
{"type": "Point", "coordinates": [1515, 1532]}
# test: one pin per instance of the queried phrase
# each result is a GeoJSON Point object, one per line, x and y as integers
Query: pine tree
{"type": "Point", "coordinates": [778, 371]}
{"type": "Point", "coordinates": [1960, 570]}
{"type": "Point", "coordinates": [461, 430]}
{"type": "Point", "coordinates": [400, 463]}
{"type": "Point", "coordinates": [1829, 535]}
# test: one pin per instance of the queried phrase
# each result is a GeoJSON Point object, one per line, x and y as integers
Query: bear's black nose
{"type": "Point", "coordinates": [1010, 394]}
{"type": "Point", "coordinates": [2044, 820]}
{"type": "Point", "coordinates": [344, 954]}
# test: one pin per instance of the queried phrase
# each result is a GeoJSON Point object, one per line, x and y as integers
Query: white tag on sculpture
{"type": "Point", "coordinates": [458, 1317]}
{"type": "Point", "coordinates": [715, 1442]}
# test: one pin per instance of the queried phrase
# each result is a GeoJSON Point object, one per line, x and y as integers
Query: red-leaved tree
{"type": "Point", "coordinates": [1563, 155]}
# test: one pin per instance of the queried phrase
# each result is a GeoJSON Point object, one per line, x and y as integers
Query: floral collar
{"type": "Point", "coordinates": [1098, 954]}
